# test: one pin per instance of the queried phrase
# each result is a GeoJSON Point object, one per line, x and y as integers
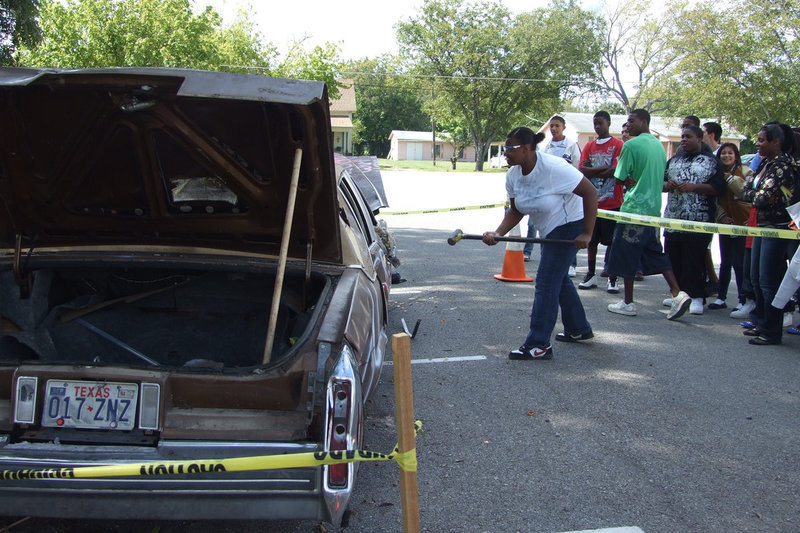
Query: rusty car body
{"type": "Point", "coordinates": [143, 228]}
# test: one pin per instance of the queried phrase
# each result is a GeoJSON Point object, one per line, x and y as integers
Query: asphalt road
{"type": "Point", "coordinates": [669, 426]}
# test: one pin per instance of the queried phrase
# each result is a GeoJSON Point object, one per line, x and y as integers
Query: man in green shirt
{"type": "Point", "coordinates": [641, 166]}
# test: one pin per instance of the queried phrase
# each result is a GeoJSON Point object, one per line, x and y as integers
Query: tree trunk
{"type": "Point", "coordinates": [481, 149]}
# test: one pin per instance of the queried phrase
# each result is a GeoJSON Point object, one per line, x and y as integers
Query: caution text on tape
{"type": "Point", "coordinates": [698, 227]}
{"type": "Point", "coordinates": [407, 461]}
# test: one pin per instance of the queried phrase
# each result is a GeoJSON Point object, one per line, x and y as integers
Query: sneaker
{"type": "Point", "coordinates": [763, 341]}
{"type": "Point", "coordinates": [604, 273]}
{"type": "Point", "coordinates": [524, 353]}
{"type": "Point", "coordinates": [696, 307]}
{"type": "Point", "coordinates": [667, 302]}
{"type": "Point", "coordinates": [680, 304]}
{"type": "Point", "coordinates": [571, 272]}
{"type": "Point", "coordinates": [588, 282]}
{"type": "Point", "coordinates": [744, 309]}
{"type": "Point", "coordinates": [621, 308]}
{"type": "Point", "coordinates": [574, 337]}
{"type": "Point", "coordinates": [613, 288]}
{"type": "Point", "coordinates": [787, 320]}
{"type": "Point", "coordinates": [747, 325]}
{"type": "Point", "coordinates": [717, 304]}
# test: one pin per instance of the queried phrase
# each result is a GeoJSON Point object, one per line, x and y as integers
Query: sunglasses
{"type": "Point", "coordinates": [509, 148]}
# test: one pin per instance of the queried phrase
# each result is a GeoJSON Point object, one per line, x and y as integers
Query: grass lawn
{"type": "Point", "coordinates": [441, 166]}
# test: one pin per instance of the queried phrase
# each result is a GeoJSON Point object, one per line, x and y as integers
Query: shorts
{"type": "Point", "coordinates": [636, 248]}
{"type": "Point", "coordinates": [603, 231]}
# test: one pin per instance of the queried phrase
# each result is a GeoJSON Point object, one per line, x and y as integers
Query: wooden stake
{"type": "Point", "coordinates": [287, 232]}
{"type": "Point", "coordinates": [406, 440]}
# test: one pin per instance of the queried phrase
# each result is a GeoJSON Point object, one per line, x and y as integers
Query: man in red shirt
{"type": "Point", "coordinates": [598, 162]}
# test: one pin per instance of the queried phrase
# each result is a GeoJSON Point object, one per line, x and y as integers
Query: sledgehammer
{"type": "Point", "coordinates": [458, 235]}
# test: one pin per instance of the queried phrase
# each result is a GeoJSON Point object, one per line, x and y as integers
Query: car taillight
{"type": "Point", "coordinates": [339, 406]}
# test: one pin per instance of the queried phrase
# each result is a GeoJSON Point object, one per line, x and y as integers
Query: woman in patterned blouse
{"type": "Point", "coordinates": [770, 189]}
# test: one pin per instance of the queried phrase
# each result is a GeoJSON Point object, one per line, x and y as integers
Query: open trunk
{"type": "Point", "coordinates": [208, 320]}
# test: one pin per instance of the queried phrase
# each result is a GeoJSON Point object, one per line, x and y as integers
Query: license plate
{"type": "Point", "coordinates": [90, 405]}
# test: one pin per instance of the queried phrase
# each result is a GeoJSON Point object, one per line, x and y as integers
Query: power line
{"type": "Point", "coordinates": [421, 76]}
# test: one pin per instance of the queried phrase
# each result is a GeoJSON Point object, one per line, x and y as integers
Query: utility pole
{"type": "Point", "coordinates": [433, 123]}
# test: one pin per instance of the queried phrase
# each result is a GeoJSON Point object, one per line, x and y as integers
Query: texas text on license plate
{"type": "Point", "coordinates": [88, 404]}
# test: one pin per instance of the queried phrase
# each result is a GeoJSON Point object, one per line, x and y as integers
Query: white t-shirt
{"type": "Point", "coordinates": [566, 148]}
{"type": "Point", "coordinates": [546, 193]}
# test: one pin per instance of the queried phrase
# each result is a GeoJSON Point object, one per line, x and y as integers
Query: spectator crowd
{"type": "Point", "coordinates": [706, 182]}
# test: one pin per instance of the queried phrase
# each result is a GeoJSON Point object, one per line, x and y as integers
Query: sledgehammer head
{"type": "Point", "coordinates": [455, 237]}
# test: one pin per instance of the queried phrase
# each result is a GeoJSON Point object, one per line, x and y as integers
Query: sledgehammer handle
{"type": "Point", "coordinates": [471, 236]}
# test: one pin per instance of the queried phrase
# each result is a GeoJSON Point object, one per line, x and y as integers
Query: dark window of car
{"type": "Point", "coordinates": [112, 182]}
{"type": "Point", "coordinates": [192, 187]}
{"type": "Point", "coordinates": [358, 208]}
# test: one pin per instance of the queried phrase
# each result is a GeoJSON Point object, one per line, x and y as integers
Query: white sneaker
{"type": "Point", "coordinates": [743, 311]}
{"type": "Point", "coordinates": [571, 272]}
{"type": "Point", "coordinates": [588, 282]}
{"type": "Point", "coordinates": [680, 304]}
{"type": "Point", "coordinates": [621, 308]}
{"type": "Point", "coordinates": [787, 320]}
{"type": "Point", "coordinates": [613, 288]}
{"type": "Point", "coordinates": [667, 302]}
{"type": "Point", "coordinates": [696, 307]}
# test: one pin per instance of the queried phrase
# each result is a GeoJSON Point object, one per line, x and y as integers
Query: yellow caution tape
{"type": "Point", "coordinates": [698, 227]}
{"type": "Point", "coordinates": [645, 220]}
{"type": "Point", "coordinates": [407, 461]}
{"type": "Point", "coordinates": [445, 210]}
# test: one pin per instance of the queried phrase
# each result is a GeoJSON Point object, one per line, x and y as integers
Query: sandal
{"type": "Point", "coordinates": [751, 332]}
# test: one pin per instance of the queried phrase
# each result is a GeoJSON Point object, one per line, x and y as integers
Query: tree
{"type": "Point", "coordinates": [18, 27]}
{"type": "Point", "coordinates": [739, 63]}
{"type": "Point", "coordinates": [105, 33]}
{"type": "Point", "coordinates": [487, 69]}
{"type": "Point", "coordinates": [633, 43]}
{"type": "Point", "coordinates": [388, 99]}
{"type": "Point", "coordinates": [322, 63]}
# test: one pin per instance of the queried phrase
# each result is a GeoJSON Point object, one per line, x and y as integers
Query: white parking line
{"type": "Point", "coordinates": [629, 529]}
{"type": "Point", "coordinates": [404, 290]}
{"type": "Point", "coordinates": [442, 360]}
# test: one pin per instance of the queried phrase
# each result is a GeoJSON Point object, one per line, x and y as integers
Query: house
{"type": "Point", "coordinates": [342, 110]}
{"type": "Point", "coordinates": [580, 126]}
{"type": "Point", "coordinates": [418, 146]}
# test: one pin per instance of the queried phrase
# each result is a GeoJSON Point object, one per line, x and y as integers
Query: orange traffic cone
{"type": "Point", "coordinates": [513, 264]}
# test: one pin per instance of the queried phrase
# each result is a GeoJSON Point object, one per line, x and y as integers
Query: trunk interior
{"type": "Point", "coordinates": [210, 320]}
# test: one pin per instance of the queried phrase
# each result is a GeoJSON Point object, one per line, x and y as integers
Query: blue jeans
{"type": "Point", "coordinates": [555, 289]}
{"type": "Point", "coordinates": [528, 248]}
{"type": "Point", "coordinates": [731, 254]}
{"type": "Point", "coordinates": [767, 267]}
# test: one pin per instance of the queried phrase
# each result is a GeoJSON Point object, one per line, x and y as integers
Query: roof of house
{"type": "Point", "coordinates": [346, 103]}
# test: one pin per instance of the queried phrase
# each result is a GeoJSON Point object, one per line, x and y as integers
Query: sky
{"type": "Point", "coordinates": [361, 28]}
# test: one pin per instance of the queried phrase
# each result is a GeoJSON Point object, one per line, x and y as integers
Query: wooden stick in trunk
{"type": "Point", "coordinates": [287, 231]}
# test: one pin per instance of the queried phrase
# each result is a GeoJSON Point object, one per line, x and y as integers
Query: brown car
{"type": "Point", "coordinates": [157, 305]}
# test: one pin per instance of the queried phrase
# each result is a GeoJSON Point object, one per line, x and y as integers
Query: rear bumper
{"type": "Point", "coordinates": [295, 493]}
